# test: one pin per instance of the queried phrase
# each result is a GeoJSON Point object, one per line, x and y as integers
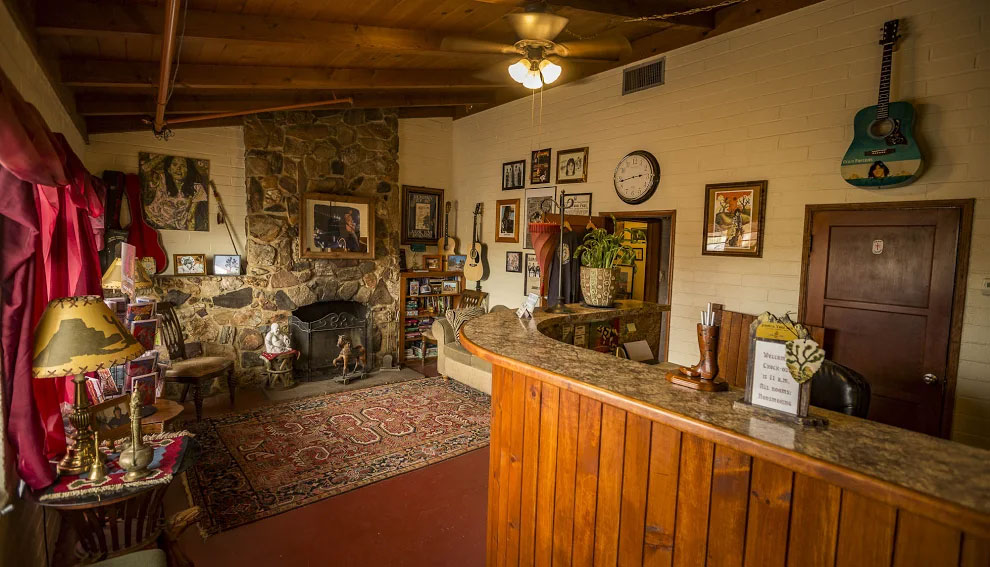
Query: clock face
{"type": "Point", "coordinates": [636, 177]}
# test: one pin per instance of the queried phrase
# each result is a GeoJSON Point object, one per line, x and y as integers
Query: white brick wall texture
{"type": "Point", "coordinates": [771, 101]}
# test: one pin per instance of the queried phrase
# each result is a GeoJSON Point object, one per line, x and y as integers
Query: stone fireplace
{"type": "Point", "coordinates": [315, 329]}
{"type": "Point", "coordinates": [351, 152]}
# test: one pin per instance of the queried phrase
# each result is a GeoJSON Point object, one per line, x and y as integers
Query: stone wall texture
{"type": "Point", "coordinates": [352, 152]}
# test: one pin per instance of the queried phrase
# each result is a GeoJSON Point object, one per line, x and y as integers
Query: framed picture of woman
{"type": "Point", "coordinates": [507, 229]}
{"type": "Point", "coordinates": [572, 165]}
{"type": "Point", "coordinates": [337, 226]}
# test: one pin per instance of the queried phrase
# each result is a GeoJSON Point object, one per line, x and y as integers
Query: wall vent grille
{"type": "Point", "coordinates": [641, 77]}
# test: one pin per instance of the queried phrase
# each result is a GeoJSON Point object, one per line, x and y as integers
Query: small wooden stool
{"type": "Point", "coordinates": [279, 369]}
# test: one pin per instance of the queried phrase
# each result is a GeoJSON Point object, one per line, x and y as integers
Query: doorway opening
{"type": "Point", "coordinates": [648, 278]}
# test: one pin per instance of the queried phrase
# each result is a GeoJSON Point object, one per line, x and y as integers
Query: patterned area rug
{"type": "Point", "coordinates": [270, 460]}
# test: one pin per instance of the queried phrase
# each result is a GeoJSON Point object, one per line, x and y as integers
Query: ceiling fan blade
{"type": "Point", "coordinates": [497, 73]}
{"type": "Point", "coordinates": [471, 45]}
{"type": "Point", "coordinates": [536, 25]}
{"type": "Point", "coordinates": [609, 47]}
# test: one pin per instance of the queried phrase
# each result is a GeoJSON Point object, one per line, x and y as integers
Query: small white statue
{"type": "Point", "coordinates": [276, 341]}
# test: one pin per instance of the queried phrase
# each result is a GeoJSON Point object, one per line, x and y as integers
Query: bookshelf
{"type": "Point", "coordinates": [418, 310]}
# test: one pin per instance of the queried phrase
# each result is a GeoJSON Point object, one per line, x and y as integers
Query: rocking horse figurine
{"type": "Point", "coordinates": [347, 351]}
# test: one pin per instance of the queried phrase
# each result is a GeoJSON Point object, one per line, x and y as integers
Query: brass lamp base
{"type": "Point", "coordinates": [80, 454]}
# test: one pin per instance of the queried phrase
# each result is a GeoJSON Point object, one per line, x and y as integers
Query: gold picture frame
{"type": "Point", "coordinates": [507, 220]}
{"type": "Point", "coordinates": [189, 264]}
{"type": "Point", "coordinates": [337, 226]}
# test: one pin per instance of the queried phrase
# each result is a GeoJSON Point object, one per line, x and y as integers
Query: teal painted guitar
{"type": "Point", "coordinates": [883, 152]}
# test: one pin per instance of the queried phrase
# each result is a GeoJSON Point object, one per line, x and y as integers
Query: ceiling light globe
{"type": "Point", "coordinates": [549, 70]}
{"type": "Point", "coordinates": [532, 80]}
{"type": "Point", "coordinates": [519, 69]}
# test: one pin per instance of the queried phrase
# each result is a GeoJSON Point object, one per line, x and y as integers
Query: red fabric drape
{"type": "Point", "coordinates": [49, 250]}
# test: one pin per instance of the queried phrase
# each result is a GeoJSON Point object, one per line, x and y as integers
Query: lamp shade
{"type": "Point", "coordinates": [111, 279]}
{"type": "Point", "coordinates": [80, 334]}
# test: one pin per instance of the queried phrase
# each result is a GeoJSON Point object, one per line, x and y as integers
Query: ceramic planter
{"type": "Point", "coordinates": [598, 285]}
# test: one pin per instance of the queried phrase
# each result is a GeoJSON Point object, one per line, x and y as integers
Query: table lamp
{"type": "Point", "coordinates": [111, 279]}
{"type": "Point", "coordinates": [78, 335]}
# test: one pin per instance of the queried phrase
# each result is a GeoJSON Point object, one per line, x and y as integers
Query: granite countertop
{"type": "Point", "coordinates": [935, 467]}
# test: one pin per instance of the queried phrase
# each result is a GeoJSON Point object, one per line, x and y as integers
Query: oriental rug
{"type": "Point", "coordinates": [269, 460]}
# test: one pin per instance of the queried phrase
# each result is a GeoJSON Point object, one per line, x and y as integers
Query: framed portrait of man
{"type": "Point", "coordinates": [507, 229]}
{"type": "Point", "coordinates": [337, 226]}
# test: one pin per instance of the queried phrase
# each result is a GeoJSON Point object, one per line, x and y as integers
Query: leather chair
{"type": "Point", "coordinates": [187, 367]}
{"type": "Point", "coordinates": [838, 388]}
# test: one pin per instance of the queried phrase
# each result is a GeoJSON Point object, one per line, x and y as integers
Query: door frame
{"type": "Point", "coordinates": [963, 246]}
{"type": "Point", "coordinates": [648, 216]}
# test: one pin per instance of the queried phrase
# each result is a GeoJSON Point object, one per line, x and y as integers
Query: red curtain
{"type": "Point", "coordinates": [48, 251]}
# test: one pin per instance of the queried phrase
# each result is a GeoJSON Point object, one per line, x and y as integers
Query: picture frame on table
{"type": "Point", "coordinates": [226, 265]}
{"type": "Point", "coordinates": [433, 262]}
{"type": "Point", "coordinates": [111, 419]}
{"type": "Point", "coordinates": [531, 281]}
{"type": "Point", "coordinates": [455, 262]}
{"type": "Point", "coordinates": [539, 166]}
{"type": "Point", "coordinates": [189, 264]}
{"type": "Point", "coordinates": [572, 165]}
{"type": "Point", "coordinates": [513, 262]}
{"type": "Point", "coordinates": [535, 198]}
{"type": "Point", "coordinates": [507, 229]}
{"type": "Point", "coordinates": [337, 226]}
{"type": "Point", "coordinates": [513, 175]}
{"type": "Point", "coordinates": [734, 219]}
{"type": "Point", "coordinates": [422, 208]}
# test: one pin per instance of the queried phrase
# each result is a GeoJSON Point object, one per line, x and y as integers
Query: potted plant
{"type": "Point", "coordinates": [601, 253]}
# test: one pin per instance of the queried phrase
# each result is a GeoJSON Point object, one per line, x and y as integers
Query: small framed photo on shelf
{"type": "Point", "coordinates": [189, 264]}
{"type": "Point", "coordinates": [734, 224]}
{"type": "Point", "coordinates": [226, 265]}
{"type": "Point", "coordinates": [455, 262]}
{"type": "Point", "coordinates": [508, 220]}
{"type": "Point", "coordinates": [433, 262]}
{"type": "Point", "coordinates": [413, 287]}
{"type": "Point", "coordinates": [450, 286]}
{"type": "Point", "coordinates": [421, 210]}
{"type": "Point", "coordinates": [572, 165]}
{"type": "Point", "coordinates": [337, 226]}
{"type": "Point", "coordinates": [539, 167]}
{"type": "Point", "coordinates": [513, 262]}
{"type": "Point", "coordinates": [513, 175]}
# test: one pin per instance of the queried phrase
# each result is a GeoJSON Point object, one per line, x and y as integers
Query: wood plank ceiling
{"type": "Point", "coordinates": [237, 55]}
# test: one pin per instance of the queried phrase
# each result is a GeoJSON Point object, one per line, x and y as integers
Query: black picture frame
{"type": "Point", "coordinates": [413, 196]}
{"type": "Point", "coordinates": [518, 262]}
{"type": "Point", "coordinates": [539, 166]}
{"type": "Point", "coordinates": [513, 175]}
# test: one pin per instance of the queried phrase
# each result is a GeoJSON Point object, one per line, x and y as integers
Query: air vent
{"type": "Point", "coordinates": [643, 76]}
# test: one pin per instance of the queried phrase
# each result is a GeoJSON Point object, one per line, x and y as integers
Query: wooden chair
{"type": "Point", "coordinates": [187, 366]}
{"type": "Point", "coordinates": [472, 298]}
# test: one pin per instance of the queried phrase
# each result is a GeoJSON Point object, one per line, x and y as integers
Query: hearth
{"type": "Point", "coordinates": [320, 329]}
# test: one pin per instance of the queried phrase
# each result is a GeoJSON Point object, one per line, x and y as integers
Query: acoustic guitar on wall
{"type": "Point", "coordinates": [447, 244]}
{"type": "Point", "coordinates": [476, 267]}
{"type": "Point", "coordinates": [883, 152]}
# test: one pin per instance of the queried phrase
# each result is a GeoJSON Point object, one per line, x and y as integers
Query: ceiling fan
{"type": "Point", "coordinates": [537, 28]}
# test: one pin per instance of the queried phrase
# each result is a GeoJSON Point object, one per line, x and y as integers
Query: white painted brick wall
{"type": "Point", "coordinates": [425, 160]}
{"type": "Point", "coordinates": [772, 101]}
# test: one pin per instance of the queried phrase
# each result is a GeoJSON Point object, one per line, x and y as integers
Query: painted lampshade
{"type": "Point", "coordinates": [111, 279]}
{"type": "Point", "coordinates": [80, 334]}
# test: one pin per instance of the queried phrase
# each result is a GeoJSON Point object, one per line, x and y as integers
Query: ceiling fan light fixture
{"type": "Point", "coordinates": [549, 70]}
{"type": "Point", "coordinates": [519, 70]}
{"type": "Point", "coordinates": [533, 80]}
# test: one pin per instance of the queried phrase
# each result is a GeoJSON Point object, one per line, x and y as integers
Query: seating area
{"type": "Point", "coordinates": [501, 283]}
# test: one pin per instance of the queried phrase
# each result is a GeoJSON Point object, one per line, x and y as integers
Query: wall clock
{"type": "Point", "coordinates": [636, 177]}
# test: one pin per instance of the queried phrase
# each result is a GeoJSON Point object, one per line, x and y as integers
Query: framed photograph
{"type": "Point", "coordinates": [422, 208]}
{"type": "Point", "coordinates": [144, 332]}
{"type": "Point", "coordinates": [144, 388]}
{"type": "Point", "coordinates": [539, 166]}
{"type": "Point", "coordinates": [225, 265]}
{"type": "Point", "coordinates": [413, 287]}
{"type": "Point", "coordinates": [734, 215]}
{"type": "Point", "coordinates": [572, 165]}
{"type": "Point", "coordinates": [513, 262]}
{"type": "Point", "coordinates": [531, 282]}
{"type": "Point", "coordinates": [337, 226]}
{"type": "Point", "coordinates": [581, 205]}
{"type": "Point", "coordinates": [508, 220]}
{"type": "Point", "coordinates": [111, 418]}
{"type": "Point", "coordinates": [638, 252]}
{"type": "Point", "coordinates": [450, 286]}
{"type": "Point", "coordinates": [425, 289]}
{"type": "Point", "coordinates": [514, 175]}
{"type": "Point", "coordinates": [189, 264]}
{"type": "Point", "coordinates": [534, 202]}
{"type": "Point", "coordinates": [455, 262]}
{"type": "Point", "coordinates": [433, 262]}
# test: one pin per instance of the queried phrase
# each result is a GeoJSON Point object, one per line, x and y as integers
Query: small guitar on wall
{"type": "Point", "coordinates": [476, 268]}
{"type": "Point", "coordinates": [883, 152]}
{"type": "Point", "coordinates": [447, 244]}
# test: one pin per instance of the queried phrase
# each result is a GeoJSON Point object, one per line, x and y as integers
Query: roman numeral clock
{"type": "Point", "coordinates": [636, 177]}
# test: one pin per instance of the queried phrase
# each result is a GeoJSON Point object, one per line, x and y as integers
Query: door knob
{"type": "Point", "coordinates": [929, 379]}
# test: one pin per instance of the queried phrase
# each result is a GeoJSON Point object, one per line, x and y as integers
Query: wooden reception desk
{"type": "Point", "coordinates": [597, 460]}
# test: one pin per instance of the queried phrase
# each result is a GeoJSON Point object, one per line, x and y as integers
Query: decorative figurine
{"type": "Point", "coordinates": [136, 457]}
{"type": "Point", "coordinates": [276, 341]}
{"type": "Point", "coordinates": [347, 351]}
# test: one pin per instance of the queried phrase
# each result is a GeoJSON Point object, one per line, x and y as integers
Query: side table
{"type": "Point", "coordinates": [166, 412]}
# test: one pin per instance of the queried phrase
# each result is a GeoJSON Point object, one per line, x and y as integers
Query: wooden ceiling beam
{"type": "Point", "coordinates": [129, 74]}
{"type": "Point", "coordinates": [105, 19]}
{"type": "Point", "coordinates": [112, 105]}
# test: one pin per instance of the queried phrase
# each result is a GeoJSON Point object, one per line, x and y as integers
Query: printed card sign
{"type": "Point", "coordinates": [127, 268]}
{"type": "Point", "coordinates": [773, 386]}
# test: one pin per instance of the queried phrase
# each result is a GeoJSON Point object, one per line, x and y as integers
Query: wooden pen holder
{"type": "Point", "coordinates": [701, 376]}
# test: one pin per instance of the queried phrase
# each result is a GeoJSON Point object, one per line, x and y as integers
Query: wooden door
{"type": "Point", "coordinates": [882, 279]}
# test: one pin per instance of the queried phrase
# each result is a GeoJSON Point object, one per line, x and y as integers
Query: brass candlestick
{"type": "Point", "coordinates": [79, 455]}
{"type": "Point", "coordinates": [136, 457]}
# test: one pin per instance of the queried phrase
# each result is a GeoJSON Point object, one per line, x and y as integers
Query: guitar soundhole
{"type": "Point", "coordinates": [881, 128]}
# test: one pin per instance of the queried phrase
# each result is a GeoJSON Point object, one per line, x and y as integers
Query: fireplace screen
{"type": "Point", "coordinates": [333, 339]}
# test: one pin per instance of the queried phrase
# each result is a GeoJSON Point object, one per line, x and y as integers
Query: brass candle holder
{"type": "Point", "coordinates": [136, 456]}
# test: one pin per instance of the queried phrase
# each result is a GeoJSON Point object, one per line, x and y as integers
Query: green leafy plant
{"type": "Point", "coordinates": [602, 249]}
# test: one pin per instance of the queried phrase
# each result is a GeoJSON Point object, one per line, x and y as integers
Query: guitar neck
{"type": "Point", "coordinates": [883, 100]}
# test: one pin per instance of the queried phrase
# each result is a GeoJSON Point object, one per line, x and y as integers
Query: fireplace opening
{"type": "Point", "coordinates": [322, 332]}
